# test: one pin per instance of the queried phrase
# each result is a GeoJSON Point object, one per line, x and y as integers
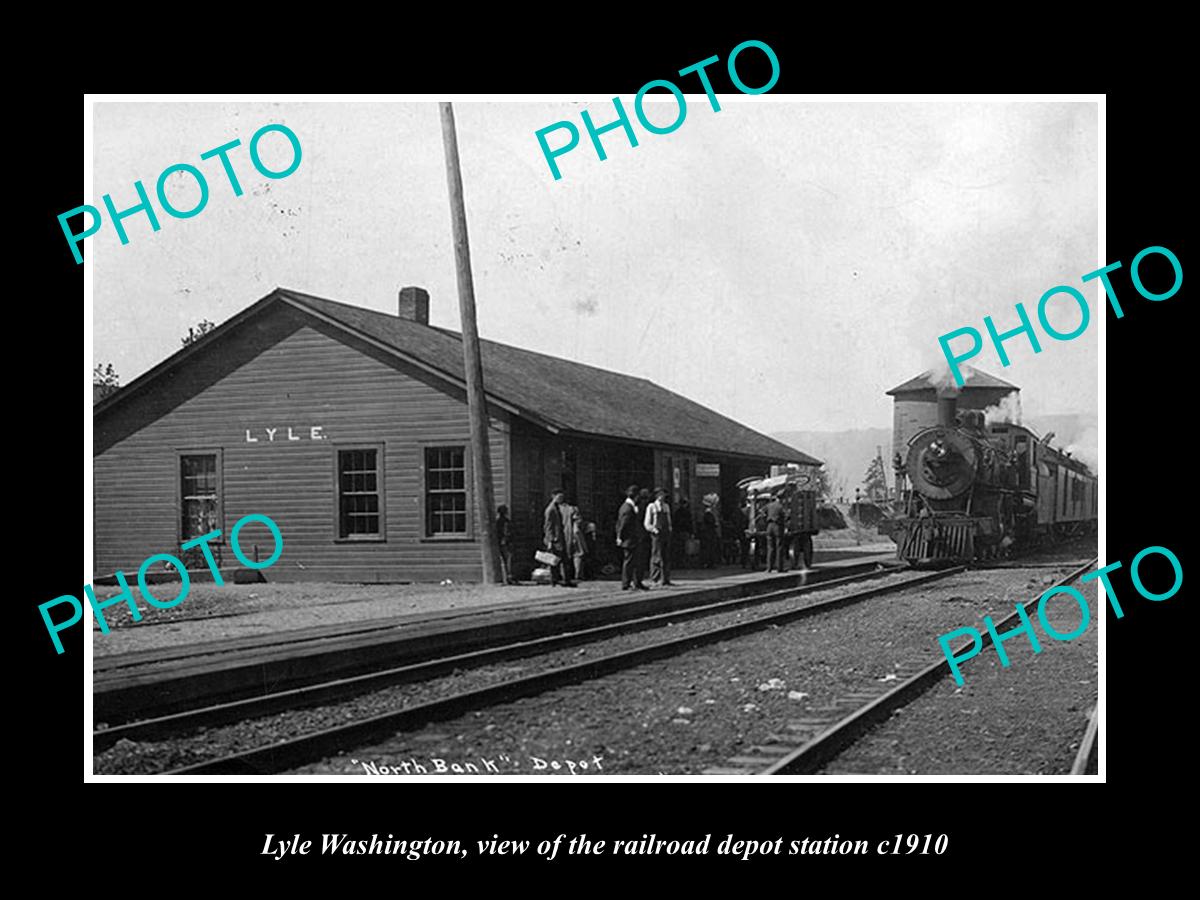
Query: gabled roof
{"type": "Point", "coordinates": [972, 378]}
{"type": "Point", "coordinates": [554, 393]}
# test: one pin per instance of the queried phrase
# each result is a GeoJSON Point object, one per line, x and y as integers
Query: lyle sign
{"type": "Point", "coordinates": [314, 433]}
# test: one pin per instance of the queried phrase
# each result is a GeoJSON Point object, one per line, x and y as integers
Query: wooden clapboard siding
{"type": "Point", "coordinates": [287, 370]}
{"type": "Point", "coordinates": [369, 379]}
{"type": "Point", "coordinates": [528, 494]}
{"type": "Point", "coordinates": [603, 469]}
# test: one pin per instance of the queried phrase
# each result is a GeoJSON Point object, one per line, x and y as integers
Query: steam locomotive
{"type": "Point", "coordinates": [972, 491]}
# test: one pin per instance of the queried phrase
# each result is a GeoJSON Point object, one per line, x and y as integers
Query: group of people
{"type": "Point", "coordinates": [644, 533]}
{"type": "Point", "coordinates": [565, 536]}
{"type": "Point", "coordinates": [649, 534]}
{"type": "Point", "coordinates": [644, 530]}
{"type": "Point", "coordinates": [707, 532]}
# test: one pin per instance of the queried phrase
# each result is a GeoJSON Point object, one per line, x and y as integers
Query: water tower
{"type": "Point", "coordinates": [916, 401]}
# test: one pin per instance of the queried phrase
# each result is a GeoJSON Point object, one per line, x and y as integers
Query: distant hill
{"type": "Point", "coordinates": [846, 453]}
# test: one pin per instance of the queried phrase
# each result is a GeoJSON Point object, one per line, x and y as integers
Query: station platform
{"type": "Point", "coordinates": [272, 651]}
{"type": "Point", "coordinates": [283, 612]}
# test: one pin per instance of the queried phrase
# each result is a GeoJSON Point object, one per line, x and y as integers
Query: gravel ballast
{"type": "Point", "coordinates": [128, 756]}
{"type": "Point", "coordinates": [698, 710]}
{"type": "Point", "coordinates": [1027, 719]}
{"type": "Point", "coordinates": [677, 716]}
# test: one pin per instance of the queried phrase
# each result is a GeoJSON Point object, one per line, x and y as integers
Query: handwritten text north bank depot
{"type": "Point", "coordinates": [622, 120]}
{"type": "Point", "coordinates": [143, 205]}
{"type": "Point", "coordinates": [483, 765]}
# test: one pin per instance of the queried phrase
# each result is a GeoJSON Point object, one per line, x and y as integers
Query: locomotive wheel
{"type": "Point", "coordinates": [806, 550]}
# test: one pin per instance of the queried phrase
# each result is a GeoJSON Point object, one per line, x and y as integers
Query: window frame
{"type": "Point", "coordinates": [381, 489]}
{"type": "Point", "coordinates": [220, 472]}
{"type": "Point", "coordinates": [468, 484]}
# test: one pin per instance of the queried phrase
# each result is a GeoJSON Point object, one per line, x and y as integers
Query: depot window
{"type": "Point", "coordinates": [446, 502]}
{"type": "Point", "coordinates": [199, 494]}
{"type": "Point", "coordinates": [360, 513]}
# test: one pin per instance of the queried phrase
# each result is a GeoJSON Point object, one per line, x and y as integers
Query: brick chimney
{"type": "Point", "coordinates": [414, 304]}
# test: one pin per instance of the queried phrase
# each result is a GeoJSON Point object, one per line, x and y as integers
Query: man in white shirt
{"type": "Point", "coordinates": [658, 524]}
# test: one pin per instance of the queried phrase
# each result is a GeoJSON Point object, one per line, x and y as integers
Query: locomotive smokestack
{"type": "Point", "coordinates": [947, 403]}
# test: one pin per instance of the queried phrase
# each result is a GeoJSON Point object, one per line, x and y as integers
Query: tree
{"type": "Point", "coordinates": [195, 332]}
{"type": "Point", "coordinates": [875, 481]}
{"type": "Point", "coordinates": [105, 381]}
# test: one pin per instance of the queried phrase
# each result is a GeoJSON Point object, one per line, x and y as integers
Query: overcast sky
{"type": "Point", "coordinates": [783, 263]}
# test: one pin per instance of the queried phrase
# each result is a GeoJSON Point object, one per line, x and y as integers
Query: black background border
{"type": "Point", "coordinates": [1147, 493]}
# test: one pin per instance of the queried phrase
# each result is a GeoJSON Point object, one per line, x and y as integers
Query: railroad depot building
{"type": "Point", "coordinates": [349, 428]}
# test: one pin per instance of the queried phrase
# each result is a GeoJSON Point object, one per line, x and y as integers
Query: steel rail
{"type": "Point", "coordinates": [816, 753]}
{"type": "Point", "coordinates": [339, 688]}
{"type": "Point", "coordinates": [318, 745]}
{"type": "Point", "coordinates": [1087, 747]}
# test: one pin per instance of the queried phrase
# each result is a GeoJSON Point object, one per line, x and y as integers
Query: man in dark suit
{"type": "Point", "coordinates": [776, 529]}
{"type": "Point", "coordinates": [630, 534]}
{"type": "Point", "coordinates": [709, 538]}
{"type": "Point", "coordinates": [554, 536]}
{"type": "Point", "coordinates": [739, 524]}
{"type": "Point", "coordinates": [643, 555]}
{"type": "Point", "coordinates": [504, 536]}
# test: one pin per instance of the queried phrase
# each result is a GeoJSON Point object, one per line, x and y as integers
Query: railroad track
{"type": "Point", "coordinates": [1086, 759]}
{"type": "Point", "coordinates": [153, 684]}
{"type": "Point", "coordinates": [261, 644]}
{"type": "Point", "coordinates": [334, 689]}
{"type": "Point", "coordinates": [804, 746]}
{"type": "Point", "coordinates": [331, 690]}
{"type": "Point", "coordinates": [318, 745]}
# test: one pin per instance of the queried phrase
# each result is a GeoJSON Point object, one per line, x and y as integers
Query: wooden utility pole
{"type": "Point", "coordinates": [857, 516]}
{"type": "Point", "coordinates": [481, 457]}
